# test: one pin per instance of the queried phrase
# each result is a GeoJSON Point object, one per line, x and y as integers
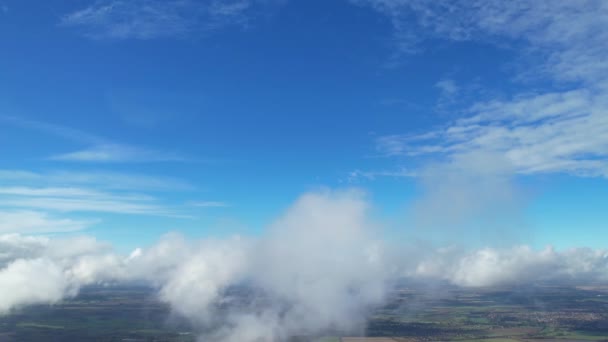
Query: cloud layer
{"type": "Point", "coordinates": [518, 265]}
{"type": "Point", "coordinates": [319, 267]}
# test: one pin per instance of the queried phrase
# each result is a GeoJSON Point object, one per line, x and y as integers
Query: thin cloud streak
{"type": "Point", "coordinates": [62, 131]}
{"type": "Point", "coordinates": [103, 179]}
{"type": "Point", "coordinates": [151, 19]}
{"type": "Point", "coordinates": [68, 192]}
{"type": "Point", "coordinates": [118, 153]}
{"type": "Point", "coordinates": [209, 204]}
{"type": "Point", "coordinates": [71, 192]}
{"type": "Point", "coordinates": [87, 205]}
{"type": "Point", "coordinates": [357, 175]}
{"type": "Point", "coordinates": [101, 150]}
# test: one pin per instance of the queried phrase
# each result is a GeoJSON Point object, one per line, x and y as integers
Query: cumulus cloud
{"type": "Point", "coordinates": [197, 283]}
{"type": "Point", "coordinates": [32, 281]}
{"type": "Point", "coordinates": [319, 268]}
{"type": "Point", "coordinates": [515, 266]}
{"type": "Point", "coordinates": [39, 270]}
{"type": "Point", "coordinates": [336, 266]}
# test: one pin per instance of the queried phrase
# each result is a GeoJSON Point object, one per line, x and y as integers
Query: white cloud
{"type": "Point", "coordinates": [447, 87]}
{"type": "Point", "coordinates": [320, 265]}
{"type": "Point", "coordinates": [99, 149]}
{"type": "Point", "coordinates": [89, 205]}
{"type": "Point", "coordinates": [471, 198]}
{"type": "Point", "coordinates": [16, 246]}
{"type": "Point", "coordinates": [336, 268]}
{"type": "Point", "coordinates": [33, 281]}
{"type": "Point", "coordinates": [149, 19]}
{"type": "Point", "coordinates": [357, 175]}
{"type": "Point", "coordinates": [52, 191]}
{"type": "Point", "coordinates": [569, 32]}
{"type": "Point", "coordinates": [104, 179]}
{"type": "Point", "coordinates": [117, 153]}
{"type": "Point", "coordinates": [95, 192]}
{"type": "Point", "coordinates": [209, 204]}
{"type": "Point", "coordinates": [30, 222]}
{"type": "Point", "coordinates": [550, 131]}
{"type": "Point", "coordinates": [516, 265]}
{"type": "Point", "coordinates": [69, 199]}
{"type": "Point", "coordinates": [553, 132]}
{"type": "Point", "coordinates": [198, 281]}
{"type": "Point", "coordinates": [37, 270]}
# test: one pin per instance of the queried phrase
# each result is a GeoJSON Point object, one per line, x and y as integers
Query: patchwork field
{"type": "Point", "coordinates": [536, 314]}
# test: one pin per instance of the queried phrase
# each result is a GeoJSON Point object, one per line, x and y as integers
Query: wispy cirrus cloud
{"type": "Point", "coordinates": [551, 132]}
{"type": "Point", "coordinates": [76, 204]}
{"type": "Point", "coordinates": [70, 199]}
{"type": "Point", "coordinates": [99, 149]}
{"type": "Point", "coordinates": [568, 34]}
{"type": "Point", "coordinates": [62, 131]}
{"type": "Point", "coordinates": [37, 202]}
{"type": "Point", "coordinates": [447, 87]}
{"type": "Point", "coordinates": [73, 192]}
{"type": "Point", "coordinates": [118, 153]}
{"type": "Point", "coordinates": [209, 204]}
{"type": "Point", "coordinates": [561, 130]}
{"type": "Point", "coordinates": [105, 179]}
{"type": "Point", "coordinates": [150, 19]}
{"type": "Point", "coordinates": [357, 175]}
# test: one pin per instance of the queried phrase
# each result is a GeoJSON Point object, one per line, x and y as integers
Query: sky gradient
{"type": "Point", "coordinates": [485, 122]}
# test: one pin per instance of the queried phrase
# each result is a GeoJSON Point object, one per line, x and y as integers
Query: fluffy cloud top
{"type": "Point", "coordinates": [319, 267]}
{"type": "Point", "coordinates": [517, 265]}
{"type": "Point", "coordinates": [32, 281]}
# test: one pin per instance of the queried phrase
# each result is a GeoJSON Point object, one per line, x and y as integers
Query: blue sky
{"type": "Point", "coordinates": [128, 119]}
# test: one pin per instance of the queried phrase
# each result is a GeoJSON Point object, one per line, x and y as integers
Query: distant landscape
{"type": "Point", "coordinates": [443, 313]}
{"type": "Point", "coordinates": [303, 171]}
